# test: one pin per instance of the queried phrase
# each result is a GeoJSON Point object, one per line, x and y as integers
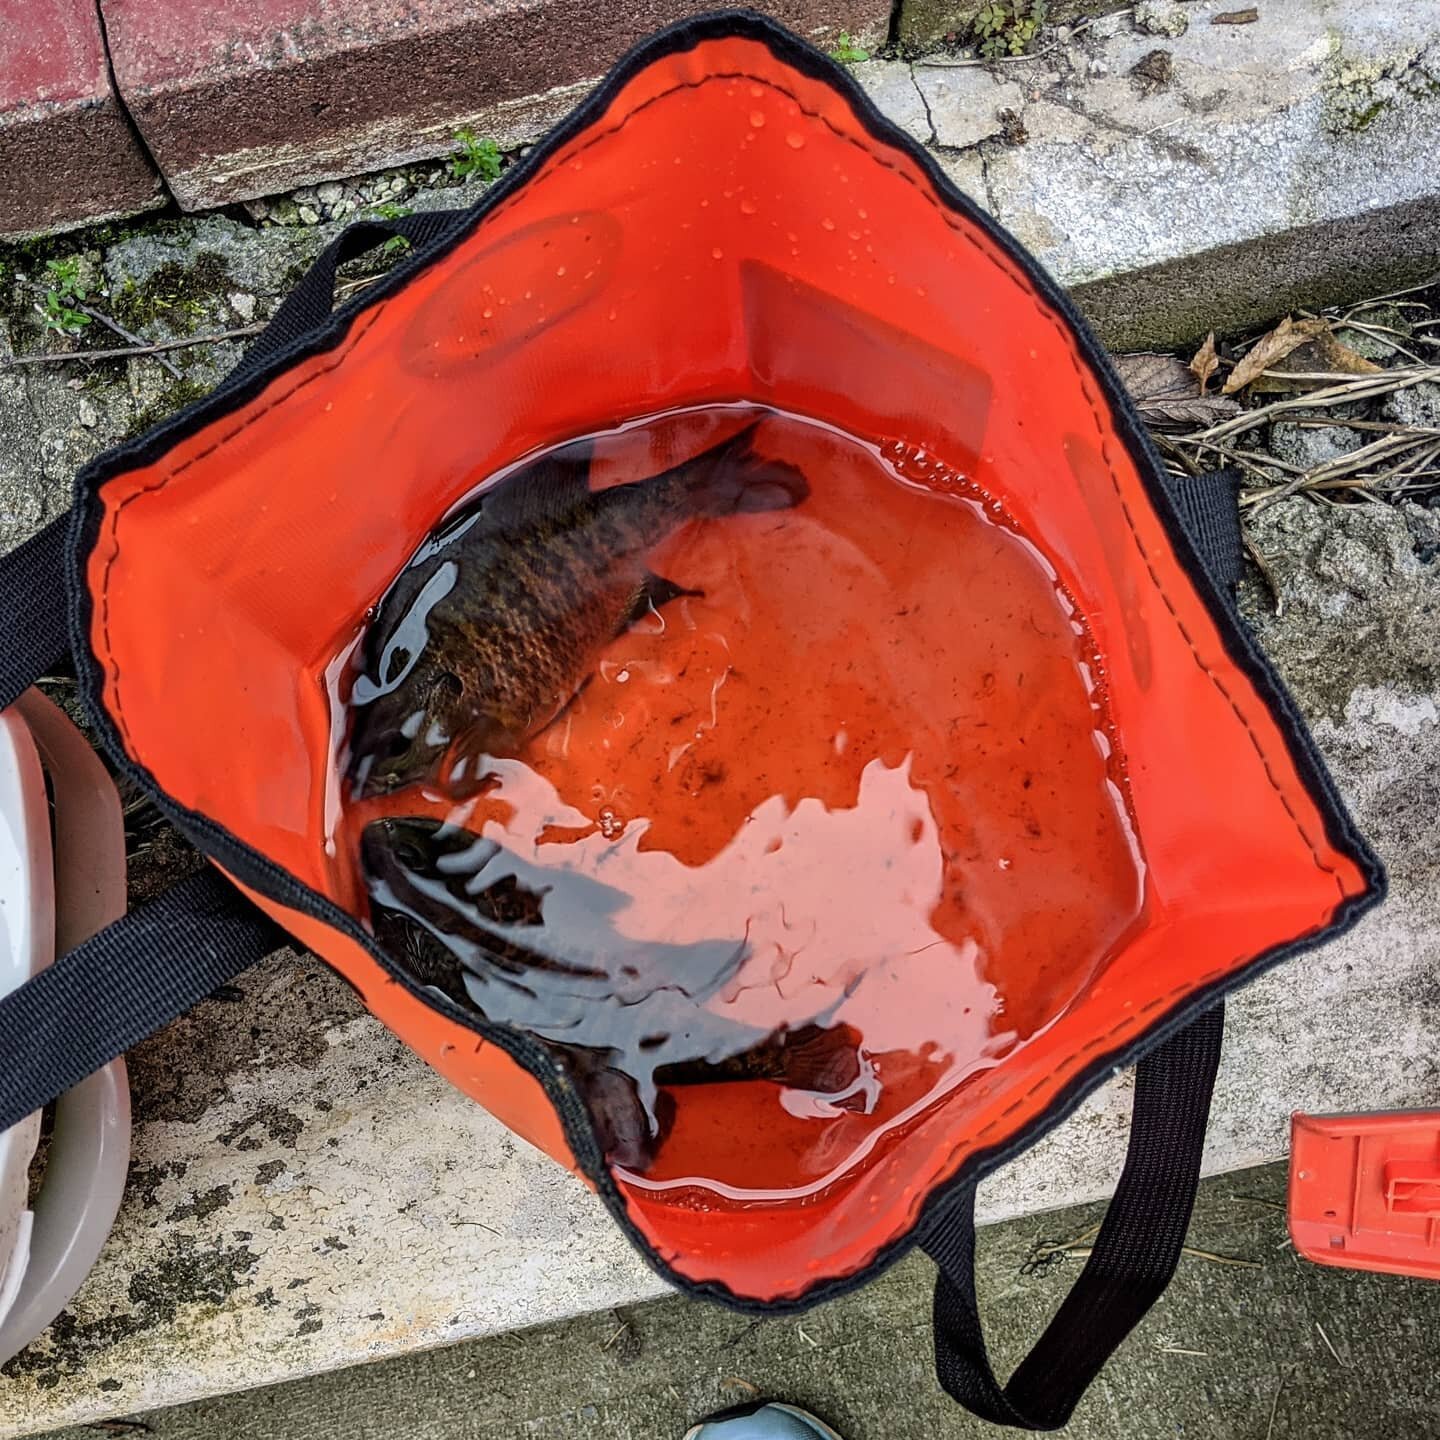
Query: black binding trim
{"type": "Point", "coordinates": [256, 871]}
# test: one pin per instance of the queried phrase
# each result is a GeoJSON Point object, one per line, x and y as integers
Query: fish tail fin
{"type": "Point", "coordinates": [731, 478]}
{"type": "Point", "coordinates": [823, 1059]}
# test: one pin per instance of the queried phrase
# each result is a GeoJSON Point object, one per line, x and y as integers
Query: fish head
{"type": "Point", "coordinates": [401, 736]}
{"type": "Point", "coordinates": [397, 847]}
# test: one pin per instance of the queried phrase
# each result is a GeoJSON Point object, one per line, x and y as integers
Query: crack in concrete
{"type": "Point", "coordinates": [136, 133]}
{"type": "Point", "coordinates": [1174, 149]}
{"type": "Point", "coordinates": [925, 103]}
{"type": "Point", "coordinates": [897, 15]}
{"type": "Point", "coordinates": [990, 203]}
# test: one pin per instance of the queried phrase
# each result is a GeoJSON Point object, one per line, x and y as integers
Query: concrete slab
{"type": "Point", "coordinates": [66, 150]}
{"type": "Point", "coordinates": [1295, 151]}
{"type": "Point", "coordinates": [250, 97]}
{"type": "Point", "coordinates": [1261, 1348]}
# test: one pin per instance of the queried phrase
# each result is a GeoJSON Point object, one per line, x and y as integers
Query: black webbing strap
{"type": "Point", "coordinates": [308, 305]}
{"type": "Point", "coordinates": [122, 985]}
{"type": "Point", "coordinates": [33, 610]}
{"type": "Point", "coordinates": [1132, 1262]}
{"type": "Point", "coordinates": [1209, 508]}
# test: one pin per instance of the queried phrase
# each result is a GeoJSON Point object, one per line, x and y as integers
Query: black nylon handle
{"type": "Point", "coordinates": [308, 306]}
{"type": "Point", "coordinates": [33, 610]}
{"type": "Point", "coordinates": [1133, 1260]}
{"type": "Point", "coordinates": [122, 985]}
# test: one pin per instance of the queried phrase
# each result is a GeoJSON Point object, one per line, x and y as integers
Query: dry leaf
{"type": "Point", "coordinates": [1323, 355]}
{"type": "Point", "coordinates": [1196, 412]}
{"type": "Point", "coordinates": [1236, 17]}
{"type": "Point", "coordinates": [1288, 335]}
{"type": "Point", "coordinates": [1206, 362]}
{"type": "Point", "coordinates": [1167, 395]}
{"type": "Point", "coordinates": [1147, 374]}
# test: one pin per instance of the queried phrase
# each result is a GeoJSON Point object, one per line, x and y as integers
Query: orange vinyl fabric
{"type": "Point", "coordinates": [731, 227]}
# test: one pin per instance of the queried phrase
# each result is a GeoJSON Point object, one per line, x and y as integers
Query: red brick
{"type": "Point", "coordinates": [237, 98]}
{"type": "Point", "coordinates": [67, 154]}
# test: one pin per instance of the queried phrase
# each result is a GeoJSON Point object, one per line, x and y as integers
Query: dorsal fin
{"type": "Point", "coordinates": [547, 489]}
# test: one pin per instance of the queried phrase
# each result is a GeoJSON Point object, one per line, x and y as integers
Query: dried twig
{"type": "Point", "coordinates": [1383, 333]}
{"type": "Point", "coordinates": [124, 334]}
{"type": "Point", "coordinates": [1328, 1345]}
{"type": "Point", "coordinates": [1080, 1248]}
{"type": "Point", "coordinates": [1257, 1200]}
{"type": "Point", "coordinates": [1363, 387]}
{"type": "Point", "coordinates": [67, 357]}
{"type": "Point", "coordinates": [1275, 1403]}
{"type": "Point", "coordinates": [1429, 284]}
{"type": "Point", "coordinates": [1263, 566]}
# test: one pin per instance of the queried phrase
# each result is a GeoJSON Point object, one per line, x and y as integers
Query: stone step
{"type": "Point", "coordinates": [67, 153]}
{"type": "Point", "coordinates": [1210, 178]}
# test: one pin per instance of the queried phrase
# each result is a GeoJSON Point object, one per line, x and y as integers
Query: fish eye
{"type": "Point", "coordinates": [396, 746]}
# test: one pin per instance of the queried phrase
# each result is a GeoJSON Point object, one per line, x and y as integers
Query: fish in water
{"type": "Point", "coordinates": [500, 618]}
{"type": "Point", "coordinates": [539, 950]}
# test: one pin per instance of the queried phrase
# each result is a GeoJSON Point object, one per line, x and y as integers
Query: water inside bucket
{"type": "Point", "coordinates": [829, 830]}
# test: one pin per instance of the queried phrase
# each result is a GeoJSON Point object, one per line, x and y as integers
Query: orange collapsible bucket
{"type": "Point", "coordinates": [936, 778]}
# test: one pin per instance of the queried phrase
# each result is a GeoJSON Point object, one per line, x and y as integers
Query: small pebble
{"type": "Point", "coordinates": [243, 305]}
{"type": "Point", "coordinates": [87, 414]}
{"type": "Point", "coordinates": [1417, 405]}
{"type": "Point", "coordinates": [309, 216]}
{"type": "Point", "coordinates": [1312, 445]}
{"type": "Point", "coordinates": [330, 193]}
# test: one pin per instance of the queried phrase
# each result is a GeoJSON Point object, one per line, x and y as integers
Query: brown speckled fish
{"type": "Point", "coordinates": [540, 951]}
{"type": "Point", "coordinates": [500, 617]}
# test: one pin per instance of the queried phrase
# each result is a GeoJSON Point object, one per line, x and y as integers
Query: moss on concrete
{"type": "Point", "coordinates": [1359, 91]}
{"type": "Point", "coordinates": [925, 24]}
{"type": "Point", "coordinates": [189, 1276]}
{"type": "Point", "coordinates": [178, 297]}
{"type": "Point", "coordinates": [182, 393]}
